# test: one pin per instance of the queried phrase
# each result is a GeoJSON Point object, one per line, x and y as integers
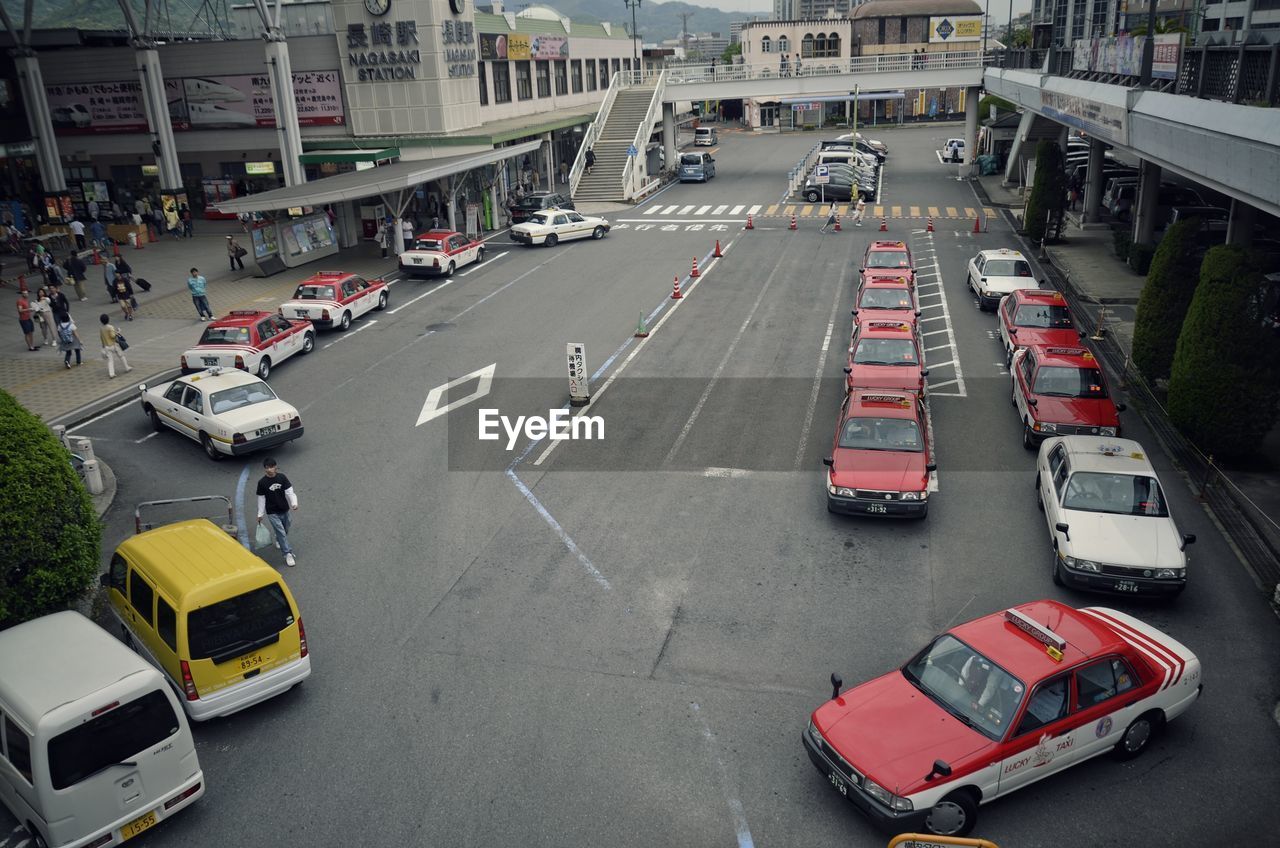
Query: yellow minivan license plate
{"type": "Point", "coordinates": [247, 663]}
{"type": "Point", "coordinates": [136, 826]}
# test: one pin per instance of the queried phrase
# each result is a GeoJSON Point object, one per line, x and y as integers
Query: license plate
{"type": "Point", "coordinates": [878, 508]}
{"type": "Point", "coordinates": [839, 784]}
{"type": "Point", "coordinates": [301, 313]}
{"type": "Point", "coordinates": [247, 663]}
{"type": "Point", "coordinates": [417, 260]}
{"type": "Point", "coordinates": [1126, 586]}
{"type": "Point", "coordinates": [266, 431]}
{"type": "Point", "coordinates": [209, 360]}
{"type": "Point", "coordinates": [136, 826]}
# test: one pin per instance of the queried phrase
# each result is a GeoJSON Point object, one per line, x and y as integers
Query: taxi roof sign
{"type": "Point", "coordinates": [1067, 351]}
{"type": "Point", "coordinates": [1042, 634]}
{"type": "Point", "coordinates": [888, 325]}
{"type": "Point", "coordinates": [897, 400]}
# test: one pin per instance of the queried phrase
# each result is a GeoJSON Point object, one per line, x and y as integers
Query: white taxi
{"type": "Point", "coordinates": [996, 273]}
{"type": "Point", "coordinates": [228, 412]}
{"type": "Point", "coordinates": [550, 226]}
{"type": "Point", "coordinates": [1108, 519]}
{"type": "Point", "coordinates": [250, 340]}
{"type": "Point", "coordinates": [440, 253]}
{"type": "Point", "coordinates": [335, 299]}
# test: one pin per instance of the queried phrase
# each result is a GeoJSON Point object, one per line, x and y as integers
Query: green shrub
{"type": "Point", "coordinates": [1048, 193]}
{"type": "Point", "coordinates": [1121, 240]}
{"type": "Point", "coordinates": [1002, 106]}
{"type": "Point", "coordinates": [1140, 257]}
{"type": "Point", "coordinates": [50, 538]}
{"type": "Point", "coordinates": [1171, 282]}
{"type": "Point", "coordinates": [1224, 389]}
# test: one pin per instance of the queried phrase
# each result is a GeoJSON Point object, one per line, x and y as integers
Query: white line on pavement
{"type": "Point", "coordinates": [720, 210]}
{"type": "Point", "coordinates": [941, 364]}
{"type": "Point", "coordinates": [150, 435]}
{"type": "Point", "coordinates": [409, 303]}
{"type": "Point", "coordinates": [754, 209]}
{"type": "Point", "coordinates": [934, 332]}
{"type": "Point", "coordinates": [933, 386]}
{"type": "Point", "coordinates": [686, 210]}
{"type": "Point", "coordinates": [934, 318]}
{"type": "Point", "coordinates": [937, 347]}
{"type": "Point", "coordinates": [653, 210]}
{"type": "Point", "coordinates": [735, 805]}
{"type": "Point", "coordinates": [484, 263]}
{"type": "Point", "coordinates": [737, 210]}
{"type": "Point", "coordinates": [817, 381]}
{"type": "Point", "coordinates": [726, 472]}
{"type": "Point", "coordinates": [656, 221]}
{"type": "Point", "coordinates": [350, 333]}
{"type": "Point", "coordinates": [925, 306]}
{"type": "Point", "coordinates": [103, 415]}
{"type": "Point", "coordinates": [702, 210]}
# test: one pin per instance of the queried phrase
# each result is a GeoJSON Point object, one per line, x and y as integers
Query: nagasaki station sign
{"type": "Point", "coordinates": [388, 50]}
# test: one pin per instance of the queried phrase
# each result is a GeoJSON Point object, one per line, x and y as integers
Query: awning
{"type": "Point", "coordinates": [377, 154]}
{"type": "Point", "coordinates": [841, 98]}
{"type": "Point", "coordinates": [372, 182]}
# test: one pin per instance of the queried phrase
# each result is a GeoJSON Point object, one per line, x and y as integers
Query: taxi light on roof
{"type": "Point", "coordinates": [888, 325]}
{"type": "Point", "coordinates": [1068, 351]}
{"type": "Point", "coordinates": [1110, 450]}
{"type": "Point", "coordinates": [1037, 631]}
{"type": "Point", "coordinates": [244, 313]}
{"type": "Point", "coordinates": [895, 399]}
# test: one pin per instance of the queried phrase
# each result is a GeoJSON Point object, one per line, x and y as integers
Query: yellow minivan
{"type": "Point", "coordinates": [217, 620]}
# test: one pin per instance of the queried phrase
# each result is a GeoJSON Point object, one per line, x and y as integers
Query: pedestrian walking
{"type": "Point", "coordinates": [859, 211]}
{"type": "Point", "coordinates": [406, 230]}
{"type": "Point", "coordinates": [235, 253]}
{"type": "Point", "coordinates": [160, 220]}
{"type": "Point", "coordinates": [26, 322]}
{"type": "Point", "coordinates": [783, 69]}
{"type": "Point", "coordinates": [42, 312]}
{"type": "Point", "coordinates": [58, 300]}
{"type": "Point", "coordinates": [831, 218]}
{"type": "Point", "coordinates": [591, 159]}
{"type": "Point", "coordinates": [77, 271]}
{"type": "Point", "coordinates": [124, 294]}
{"type": "Point", "coordinates": [196, 285]}
{"type": "Point", "coordinates": [383, 238]}
{"type": "Point", "coordinates": [113, 345]}
{"type": "Point", "coordinates": [1073, 189]}
{"type": "Point", "coordinates": [173, 223]}
{"type": "Point", "coordinates": [276, 500]}
{"type": "Point", "coordinates": [98, 234]}
{"type": "Point", "coordinates": [564, 172]}
{"type": "Point", "coordinates": [92, 208]}
{"type": "Point", "coordinates": [188, 225]}
{"type": "Point", "coordinates": [77, 230]}
{"type": "Point", "coordinates": [68, 338]}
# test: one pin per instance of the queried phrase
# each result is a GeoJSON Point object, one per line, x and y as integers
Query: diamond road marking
{"type": "Point", "coordinates": [431, 408]}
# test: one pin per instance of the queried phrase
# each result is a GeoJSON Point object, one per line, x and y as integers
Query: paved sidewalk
{"type": "Point", "coordinates": [165, 323]}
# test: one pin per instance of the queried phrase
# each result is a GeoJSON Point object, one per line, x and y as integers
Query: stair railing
{"type": "Point", "coordinates": [630, 171]}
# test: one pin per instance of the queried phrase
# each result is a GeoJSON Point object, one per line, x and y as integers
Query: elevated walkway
{"type": "Point", "coordinates": [628, 117]}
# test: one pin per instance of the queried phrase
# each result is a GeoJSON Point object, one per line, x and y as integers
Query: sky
{"type": "Point", "coordinates": [762, 6]}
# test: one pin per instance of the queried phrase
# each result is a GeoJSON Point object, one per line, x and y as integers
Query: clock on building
{"type": "Point", "coordinates": [377, 7]}
{"type": "Point", "coordinates": [458, 6]}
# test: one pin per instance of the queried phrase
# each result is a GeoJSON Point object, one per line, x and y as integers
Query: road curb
{"type": "Point", "coordinates": [102, 502]}
{"type": "Point", "coordinates": [106, 402]}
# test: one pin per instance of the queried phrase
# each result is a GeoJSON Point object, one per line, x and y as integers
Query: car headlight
{"type": "Point", "coordinates": [1170, 573]}
{"type": "Point", "coordinates": [1106, 431]}
{"type": "Point", "coordinates": [1045, 427]}
{"type": "Point", "coordinates": [886, 797]}
{"type": "Point", "coordinates": [840, 491]}
{"type": "Point", "coordinates": [1081, 564]}
{"type": "Point", "coordinates": [812, 730]}
{"type": "Point", "coordinates": [914, 496]}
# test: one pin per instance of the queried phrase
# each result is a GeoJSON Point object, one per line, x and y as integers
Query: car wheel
{"type": "Point", "coordinates": [1057, 569]}
{"type": "Point", "coordinates": [1137, 736]}
{"type": "Point", "coordinates": [448, 272]}
{"type": "Point", "coordinates": [550, 241]}
{"type": "Point", "coordinates": [156, 424]}
{"type": "Point", "coordinates": [811, 196]}
{"type": "Point", "coordinates": [345, 323]}
{"type": "Point", "coordinates": [480, 256]}
{"type": "Point", "coordinates": [209, 450]}
{"type": "Point", "coordinates": [1013, 396]}
{"type": "Point", "coordinates": [1028, 441]}
{"type": "Point", "coordinates": [382, 302]}
{"type": "Point", "coordinates": [597, 233]}
{"type": "Point", "coordinates": [264, 368]}
{"type": "Point", "coordinates": [308, 342]}
{"type": "Point", "coordinates": [1039, 495]}
{"type": "Point", "coordinates": [954, 815]}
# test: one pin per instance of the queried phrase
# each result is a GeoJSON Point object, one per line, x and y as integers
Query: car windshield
{"type": "Point", "coordinates": [540, 218]}
{"type": "Point", "coordinates": [888, 259]}
{"type": "Point", "coordinates": [225, 335]}
{"type": "Point", "coordinates": [531, 203]}
{"type": "Point", "coordinates": [1043, 317]}
{"type": "Point", "coordinates": [1068, 381]}
{"type": "Point", "coordinates": [240, 397]}
{"type": "Point", "coordinates": [1006, 268]}
{"type": "Point", "coordinates": [232, 627]}
{"type": "Point", "coordinates": [966, 684]}
{"type": "Point", "coordinates": [1122, 494]}
{"type": "Point", "coordinates": [313, 293]}
{"type": "Point", "coordinates": [885, 352]}
{"type": "Point", "coordinates": [883, 434]}
{"type": "Point", "coordinates": [885, 299]}
{"type": "Point", "coordinates": [691, 159]}
{"type": "Point", "coordinates": [428, 244]}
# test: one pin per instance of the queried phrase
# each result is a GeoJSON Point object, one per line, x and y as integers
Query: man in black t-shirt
{"type": "Point", "coordinates": [276, 499]}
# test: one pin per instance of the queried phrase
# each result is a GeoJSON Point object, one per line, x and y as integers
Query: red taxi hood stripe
{"type": "Point", "coordinates": [1175, 664]}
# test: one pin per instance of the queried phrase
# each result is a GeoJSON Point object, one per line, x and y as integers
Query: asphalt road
{"type": "Point", "coordinates": [618, 642]}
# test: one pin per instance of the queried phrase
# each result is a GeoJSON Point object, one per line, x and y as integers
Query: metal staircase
{"type": "Point", "coordinates": [630, 109]}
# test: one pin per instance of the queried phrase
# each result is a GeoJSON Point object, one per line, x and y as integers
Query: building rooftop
{"type": "Point", "coordinates": [901, 8]}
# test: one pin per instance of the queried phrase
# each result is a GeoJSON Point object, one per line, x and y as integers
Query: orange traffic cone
{"type": "Point", "coordinates": [793, 222]}
{"type": "Point", "coordinates": [694, 272]}
{"type": "Point", "coordinates": [717, 254]}
{"type": "Point", "coordinates": [837, 223]}
{"type": "Point", "coordinates": [977, 223]}
{"type": "Point", "coordinates": [137, 244]}
{"type": "Point", "coordinates": [884, 225]}
{"type": "Point", "coordinates": [675, 290]}
{"type": "Point", "coordinates": [929, 228]}
{"type": "Point", "coordinates": [750, 225]}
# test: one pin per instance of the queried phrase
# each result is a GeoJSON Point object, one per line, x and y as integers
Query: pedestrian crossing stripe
{"type": "Point", "coordinates": [808, 210]}
{"type": "Point", "coordinates": [951, 212]}
{"type": "Point", "coordinates": [915, 212]}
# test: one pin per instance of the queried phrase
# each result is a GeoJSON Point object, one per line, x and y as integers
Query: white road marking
{"type": "Point", "coordinates": [702, 210]}
{"type": "Point", "coordinates": [152, 434]}
{"type": "Point", "coordinates": [941, 364]}
{"type": "Point", "coordinates": [670, 209]}
{"type": "Point", "coordinates": [351, 333]}
{"type": "Point", "coordinates": [817, 381]}
{"type": "Point", "coordinates": [409, 303]}
{"type": "Point", "coordinates": [733, 473]}
{"type": "Point", "coordinates": [937, 347]}
{"type": "Point", "coordinates": [735, 805]}
{"type": "Point", "coordinates": [431, 406]}
{"type": "Point", "coordinates": [686, 210]}
{"type": "Point", "coordinates": [950, 327]}
{"type": "Point", "coordinates": [653, 210]}
{"type": "Point", "coordinates": [933, 386]}
{"type": "Point", "coordinates": [934, 332]}
{"type": "Point", "coordinates": [484, 263]}
{"type": "Point", "coordinates": [737, 210]}
{"type": "Point", "coordinates": [96, 418]}
{"type": "Point", "coordinates": [754, 210]}
{"type": "Point", "coordinates": [720, 209]}
{"type": "Point", "coordinates": [682, 221]}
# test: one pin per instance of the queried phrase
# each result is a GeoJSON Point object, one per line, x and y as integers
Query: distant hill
{"type": "Point", "coordinates": [656, 21]}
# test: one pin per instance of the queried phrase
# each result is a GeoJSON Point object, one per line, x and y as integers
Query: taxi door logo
{"type": "Point", "coordinates": [1103, 727]}
{"type": "Point", "coordinates": [1044, 754]}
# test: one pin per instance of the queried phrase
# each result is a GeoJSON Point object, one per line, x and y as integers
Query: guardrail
{"type": "Point", "coordinates": [641, 141]}
{"type": "Point", "coordinates": [795, 177]}
{"type": "Point", "coordinates": [699, 72]}
{"type": "Point", "coordinates": [616, 83]}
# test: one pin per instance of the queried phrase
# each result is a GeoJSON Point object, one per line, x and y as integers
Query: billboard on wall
{"type": "Point", "coordinates": [195, 103]}
{"type": "Point", "coordinates": [1122, 54]}
{"type": "Point", "coordinates": [493, 48]}
{"type": "Point", "coordinates": [955, 28]}
{"type": "Point", "coordinates": [549, 47]}
{"type": "Point", "coordinates": [518, 46]}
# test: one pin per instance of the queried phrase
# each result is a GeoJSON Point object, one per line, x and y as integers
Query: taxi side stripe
{"type": "Point", "coordinates": [1156, 659]}
{"type": "Point", "coordinates": [1167, 653]}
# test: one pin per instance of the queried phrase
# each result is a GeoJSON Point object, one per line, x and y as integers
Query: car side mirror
{"type": "Point", "coordinates": [918, 313]}
{"type": "Point", "coordinates": [862, 270]}
{"type": "Point", "coordinates": [1063, 528]}
{"type": "Point", "coordinates": [1013, 331]}
{"type": "Point", "coordinates": [940, 769]}
{"type": "Point", "coordinates": [853, 312]}
{"type": "Point", "coordinates": [1033, 401]}
{"type": "Point", "coordinates": [924, 372]}
{"type": "Point", "coordinates": [931, 467]}
{"type": "Point", "coordinates": [836, 683]}
{"type": "Point", "coordinates": [848, 370]}
{"type": "Point", "coordinates": [828, 461]}
{"type": "Point", "coordinates": [1120, 407]}
{"type": "Point", "coordinates": [982, 279]}
{"type": "Point", "coordinates": [1187, 539]}
{"type": "Point", "coordinates": [1080, 333]}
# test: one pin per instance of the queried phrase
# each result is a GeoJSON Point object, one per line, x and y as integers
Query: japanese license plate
{"type": "Point", "coordinates": [209, 360]}
{"type": "Point", "coordinates": [301, 313]}
{"type": "Point", "coordinates": [247, 663]}
{"type": "Point", "coordinates": [880, 509]}
{"type": "Point", "coordinates": [417, 260]}
{"type": "Point", "coordinates": [838, 782]}
{"type": "Point", "coordinates": [138, 825]}
{"type": "Point", "coordinates": [1125, 586]}
{"type": "Point", "coordinates": [266, 431]}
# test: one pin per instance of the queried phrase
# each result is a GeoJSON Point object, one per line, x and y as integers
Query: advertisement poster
{"type": "Point", "coordinates": [1107, 121]}
{"type": "Point", "coordinates": [518, 46]}
{"type": "Point", "coordinates": [96, 191]}
{"type": "Point", "coordinates": [1122, 55]}
{"type": "Point", "coordinates": [549, 47]}
{"type": "Point", "coordinates": [493, 48]}
{"type": "Point", "coordinates": [962, 28]}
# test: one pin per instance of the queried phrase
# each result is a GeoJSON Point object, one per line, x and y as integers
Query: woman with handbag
{"type": "Point", "coordinates": [234, 253]}
{"type": "Point", "coordinates": [124, 294]}
{"type": "Point", "coordinates": [42, 311]}
{"type": "Point", "coordinates": [113, 345]}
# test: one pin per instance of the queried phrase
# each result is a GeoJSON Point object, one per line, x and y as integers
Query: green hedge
{"type": "Point", "coordinates": [1048, 193]}
{"type": "Point", "coordinates": [1171, 283]}
{"type": "Point", "coordinates": [1121, 240]}
{"type": "Point", "coordinates": [50, 538]}
{"type": "Point", "coordinates": [1140, 257]}
{"type": "Point", "coordinates": [1224, 388]}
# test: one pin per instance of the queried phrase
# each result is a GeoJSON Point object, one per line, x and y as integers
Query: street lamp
{"type": "Point", "coordinates": [635, 45]}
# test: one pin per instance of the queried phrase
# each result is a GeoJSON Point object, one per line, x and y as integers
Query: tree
{"type": "Point", "coordinates": [1049, 193]}
{"type": "Point", "coordinates": [729, 52]}
{"type": "Point", "coordinates": [1224, 390]}
{"type": "Point", "coordinates": [1002, 105]}
{"type": "Point", "coordinates": [1170, 285]}
{"type": "Point", "coordinates": [50, 537]}
{"type": "Point", "coordinates": [1021, 37]}
{"type": "Point", "coordinates": [1163, 26]}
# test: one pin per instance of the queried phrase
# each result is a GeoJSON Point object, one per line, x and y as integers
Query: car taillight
{"type": "Point", "coordinates": [436, 262]}
{"type": "Point", "coordinates": [178, 799]}
{"type": "Point", "coordinates": [188, 685]}
{"type": "Point", "coordinates": [183, 361]}
{"type": "Point", "coordinates": [240, 362]}
{"type": "Point", "coordinates": [295, 423]}
{"type": "Point", "coordinates": [302, 637]}
{"type": "Point", "coordinates": [238, 439]}
{"type": "Point", "coordinates": [324, 315]}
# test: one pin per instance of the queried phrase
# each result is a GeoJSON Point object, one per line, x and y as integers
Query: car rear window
{"type": "Point", "coordinates": [1123, 494]}
{"type": "Point", "coordinates": [232, 627]}
{"type": "Point", "coordinates": [1043, 317]}
{"type": "Point", "coordinates": [1066, 381]}
{"type": "Point", "coordinates": [428, 244]}
{"type": "Point", "coordinates": [691, 159]}
{"type": "Point", "coordinates": [225, 335]}
{"type": "Point", "coordinates": [1006, 268]}
{"type": "Point", "coordinates": [313, 293]}
{"type": "Point", "coordinates": [531, 203]}
{"type": "Point", "coordinates": [240, 397]}
{"type": "Point", "coordinates": [888, 259]}
{"type": "Point", "coordinates": [114, 737]}
{"type": "Point", "coordinates": [540, 218]}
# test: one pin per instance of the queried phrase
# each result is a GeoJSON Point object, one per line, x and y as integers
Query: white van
{"type": "Point", "coordinates": [843, 157]}
{"type": "Point", "coordinates": [95, 747]}
{"type": "Point", "coordinates": [705, 137]}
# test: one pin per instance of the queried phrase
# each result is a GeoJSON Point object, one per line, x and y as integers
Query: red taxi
{"type": "Point", "coordinates": [1036, 316]}
{"type": "Point", "coordinates": [884, 257]}
{"type": "Point", "coordinates": [1060, 391]}
{"type": "Point", "coordinates": [335, 299]}
{"type": "Point", "coordinates": [994, 705]}
{"type": "Point", "coordinates": [882, 456]}
{"type": "Point", "coordinates": [885, 355]}
{"type": "Point", "coordinates": [440, 253]}
{"type": "Point", "coordinates": [890, 298]}
{"type": "Point", "coordinates": [250, 341]}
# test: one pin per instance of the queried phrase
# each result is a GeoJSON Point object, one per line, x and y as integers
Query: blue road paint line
{"type": "Point", "coordinates": [735, 806]}
{"type": "Point", "coordinates": [241, 524]}
{"type": "Point", "coordinates": [560, 531]}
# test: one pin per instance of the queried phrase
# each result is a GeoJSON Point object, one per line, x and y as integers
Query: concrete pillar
{"type": "Point", "coordinates": [1063, 135]}
{"type": "Point", "coordinates": [40, 121]}
{"type": "Point", "coordinates": [1144, 208]}
{"type": "Point", "coordinates": [451, 201]}
{"type": "Point", "coordinates": [1240, 224]}
{"type": "Point", "coordinates": [971, 125]}
{"type": "Point", "coordinates": [550, 160]}
{"type": "Point", "coordinates": [669, 133]}
{"type": "Point", "coordinates": [1093, 188]}
{"type": "Point", "coordinates": [1011, 166]}
{"type": "Point", "coordinates": [280, 72]}
{"type": "Point", "coordinates": [155, 102]}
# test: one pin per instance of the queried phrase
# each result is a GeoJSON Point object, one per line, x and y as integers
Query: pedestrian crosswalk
{"type": "Point", "coordinates": [808, 210]}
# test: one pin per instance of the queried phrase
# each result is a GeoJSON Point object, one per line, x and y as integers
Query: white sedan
{"type": "Point", "coordinates": [1108, 520]}
{"type": "Point", "coordinates": [992, 274]}
{"type": "Point", "coordinates": [228, 412]}
{"type": "Point", "coordinates": [551, 226]}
